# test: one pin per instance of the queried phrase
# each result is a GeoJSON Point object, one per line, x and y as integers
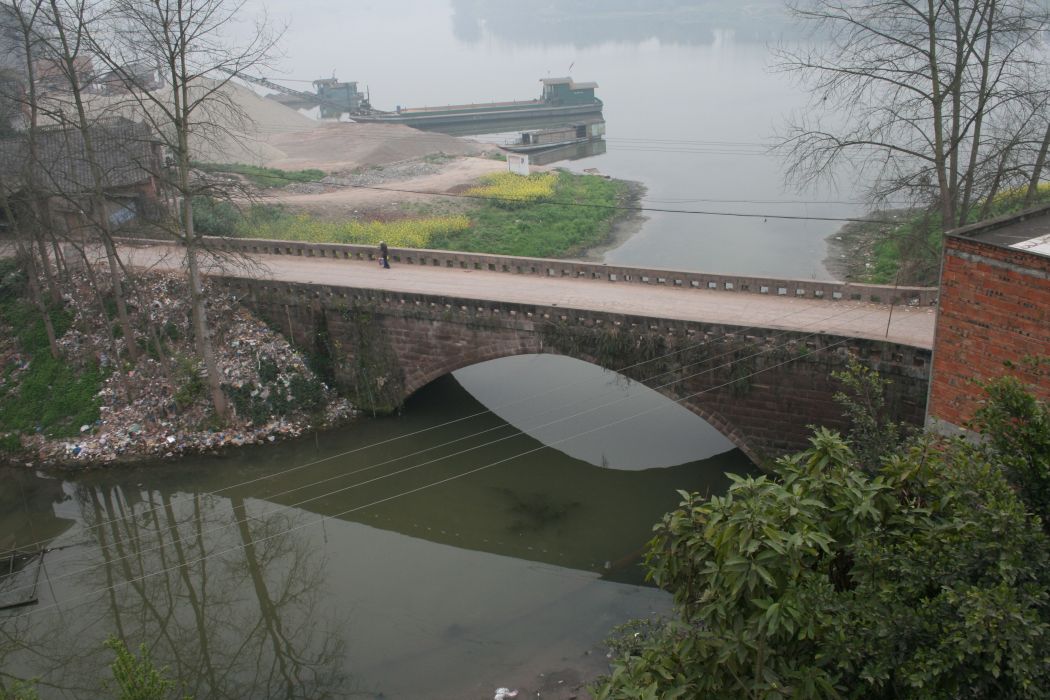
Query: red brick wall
{"type": "Point", "coordinates": [994, 308]}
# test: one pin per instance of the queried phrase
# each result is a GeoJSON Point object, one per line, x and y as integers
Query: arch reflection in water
{"type": "Point", "coordinates": [590, 413]}
{"type": "Point", "coordinates": [225, 596]}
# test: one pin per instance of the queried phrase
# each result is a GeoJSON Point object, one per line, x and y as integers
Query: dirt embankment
{"type": "Point", "coordinates": [382, 192]}
{"type": "Point", "coordinates": [851, 250]}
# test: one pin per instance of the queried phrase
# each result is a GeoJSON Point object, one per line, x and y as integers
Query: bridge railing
{"type": "Point", "coordinates": [545, 267]}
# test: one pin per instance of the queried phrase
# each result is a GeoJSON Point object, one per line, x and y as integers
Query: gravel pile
{"type": "Point", "coordinates": [388, 173]}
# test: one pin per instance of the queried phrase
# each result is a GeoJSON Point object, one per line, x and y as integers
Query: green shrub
{"type": "Point", "coordinates": [307, 393]}
{"type": "Point", "coordinates": [52, 396]}
{"type": "Point", "coordinates": [20, 690]}
{"type": "Point", "coordinates": [267, 370]}
{"type": "Point", "coordinates": [137, 678]}
{"type": "Point", "coordinates": [263, 177]}
{"type": "Point", "coordinates": [12, 279]}
{"type": "Point", "coordinates": [189, 381]}
{"type": "Point", "coordinates": [215, 217]}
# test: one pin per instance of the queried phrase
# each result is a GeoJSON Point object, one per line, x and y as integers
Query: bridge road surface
{"type": "Point", "coordinates": [908, 325]}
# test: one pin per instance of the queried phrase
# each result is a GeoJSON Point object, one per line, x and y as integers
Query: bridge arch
{"type": "Point", "coordinates": [695, 406]}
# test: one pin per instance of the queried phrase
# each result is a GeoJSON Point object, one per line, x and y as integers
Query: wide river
{"type": "Point", "coordinates": [491, 535]}
{"type": "Point", "coordinates": [692, 105]}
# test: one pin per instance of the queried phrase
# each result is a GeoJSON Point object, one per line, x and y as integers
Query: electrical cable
{"type": "Point", "coordinates": [517, 433]}
{"type": "Point", "coordinates": [324, 518]}
{"type": "Point", "coordinates": [620, 370]}
{"type": "Point", "coordinates": [588, 205]}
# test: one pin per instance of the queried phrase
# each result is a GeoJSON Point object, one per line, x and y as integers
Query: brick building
{"type": "Point", "coordinates": [129, 157]}
{"type": "Point", "coordinates": [994, 313]}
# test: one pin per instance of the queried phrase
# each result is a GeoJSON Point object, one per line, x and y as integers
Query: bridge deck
{"type": "Point", "coordinates": [909, 325]}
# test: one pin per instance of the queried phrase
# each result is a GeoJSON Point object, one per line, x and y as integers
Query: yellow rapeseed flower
{"type": "Point", "coordinates": [515, 189]}
{"type": "Point", "coordinates": [403, 233]}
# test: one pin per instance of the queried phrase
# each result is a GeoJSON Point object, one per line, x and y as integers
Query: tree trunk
{"type": "Point", "coordinates": [37, 296]}
{"type": "Point", "coordinates": [1037, 170]}
{"type": "Point", "coordinates": [97, 176]}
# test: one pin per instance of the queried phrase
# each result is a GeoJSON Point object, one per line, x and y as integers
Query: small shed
{"type": "Point", "coordinates": [563, 91]}
{"type": "Point", "coordinates": [994, 314]}
{"type": "Point", "coordinates": [127, 152]}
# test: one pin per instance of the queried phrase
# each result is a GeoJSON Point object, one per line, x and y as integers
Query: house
{"type": "Point", "coordinates": [12, 46]}
{"type": "Point", "coordinates": [994, 314]}
{"type": "Point", "coordinates": [129, 155]}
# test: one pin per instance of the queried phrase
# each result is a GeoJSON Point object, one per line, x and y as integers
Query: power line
{"type": "Point", "coordinates": [324, 518]}
{"type": "Point", "coordinates": [517, 433]}
{"type": "Point", "coordinates": [620, 370]}
{"type": "Point", "coordinates": [589, 205]}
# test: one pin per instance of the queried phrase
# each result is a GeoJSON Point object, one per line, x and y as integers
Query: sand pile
{"type": "Point", "coordinates": [239, 126]}
{"type": "Point", "coordinates": [342, 146]}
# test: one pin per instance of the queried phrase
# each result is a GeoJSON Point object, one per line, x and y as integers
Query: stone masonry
{"type": "Point", "coordinates": [762, 388]}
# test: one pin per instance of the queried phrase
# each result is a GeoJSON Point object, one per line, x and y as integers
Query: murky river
{"type": "Point", "coordinates": [437, 554]}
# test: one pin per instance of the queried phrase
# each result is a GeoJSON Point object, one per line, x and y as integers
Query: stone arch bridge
{"type": "Point", "coordinates": [761, 387]}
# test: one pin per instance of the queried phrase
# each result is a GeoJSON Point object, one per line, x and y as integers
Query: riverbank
{"type": "Point", "coordinates": [853, 252]}
{"type": "Point", "coordinates": [626, 223]}
{"type": "Point", "coordinates": [96, 406]}
{"type": "Point", "coordinates": [551, 213]}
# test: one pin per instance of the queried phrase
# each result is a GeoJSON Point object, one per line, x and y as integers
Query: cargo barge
{"type": "Point", "coordinates": [562, 98]}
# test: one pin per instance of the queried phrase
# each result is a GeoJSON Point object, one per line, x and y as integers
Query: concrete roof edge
{"type": "Point", "coordinates": [972, 230]}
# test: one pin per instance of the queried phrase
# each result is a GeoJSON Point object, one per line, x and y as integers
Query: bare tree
{"type": "Point", "coordinates": [32, 228]}
{"type": "Point", "coordinates": [920, 96]}
{"type": "Point", "coordinates": [67, 25]}
{"type": "Point", "coordinates": [186, 42]}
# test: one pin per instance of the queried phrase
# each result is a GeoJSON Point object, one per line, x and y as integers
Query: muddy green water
{"type": "Point", "coordinates": [438, 554]}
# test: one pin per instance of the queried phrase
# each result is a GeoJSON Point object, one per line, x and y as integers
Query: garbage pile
{"type": "Point", "coordinates": [160, 407]}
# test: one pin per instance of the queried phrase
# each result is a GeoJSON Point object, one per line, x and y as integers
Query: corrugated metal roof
{"type": "Point", "coordinates": [124, 150]}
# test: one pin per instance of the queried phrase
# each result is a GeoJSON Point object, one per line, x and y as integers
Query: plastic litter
{"type": "Point", "coordinates": [141, 414]}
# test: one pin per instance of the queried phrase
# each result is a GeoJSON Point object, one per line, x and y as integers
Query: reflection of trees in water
{"type": "Point", "coordinates": [536, 511]}
{"type": "Point", "coordinates": [240, 623]}
{"type": "Point", "coordinates": [584, 23]}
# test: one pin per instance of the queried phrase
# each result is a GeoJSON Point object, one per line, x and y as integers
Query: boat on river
{"type": "Point", "coordinates": [561, 98]}
{"type": "Point", "coordinates": [538, 140]}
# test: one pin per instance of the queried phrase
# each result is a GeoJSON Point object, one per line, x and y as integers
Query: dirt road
{"type": "Point", "coordinates": [343, 202]}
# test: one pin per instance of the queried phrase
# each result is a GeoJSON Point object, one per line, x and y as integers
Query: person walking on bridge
{"type": "Point", "coordinates": [384, 255]}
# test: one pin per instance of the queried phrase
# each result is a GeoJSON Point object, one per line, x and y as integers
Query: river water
{"type": "Point", "coordinates": [441, 553]}
{"type": "Point", "coordinates": [692, 105]}
{"type": "Point", "coordinates": [491, 534]}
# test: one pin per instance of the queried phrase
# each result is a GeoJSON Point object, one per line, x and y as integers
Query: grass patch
{"type": "Point", "coordinates": [516, 222]}
{"type": "Point", "coordinates": [50, 395]}
{"type": "Point", "coordinates": [544, 229]}
{"type": "Point", "coordinates": [272, 178]}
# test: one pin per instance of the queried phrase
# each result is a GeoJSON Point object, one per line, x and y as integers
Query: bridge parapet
{"type": "Point", "coordinates": [545, 267]}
